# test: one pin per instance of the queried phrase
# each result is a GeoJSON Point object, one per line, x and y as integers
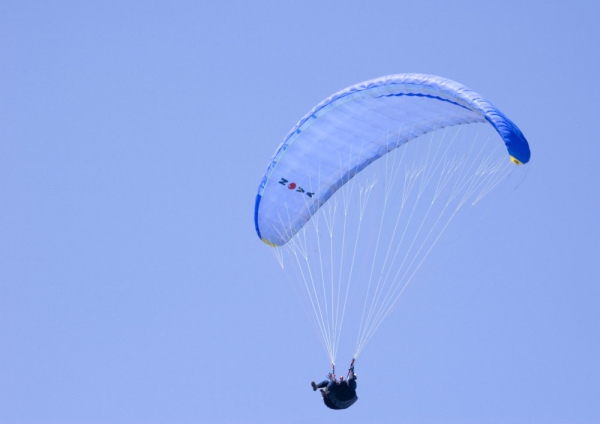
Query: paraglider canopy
{"type": "Point", "coordinates": [369, 119]}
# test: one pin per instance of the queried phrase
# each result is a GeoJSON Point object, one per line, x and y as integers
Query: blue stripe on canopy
{"type": "Point", "coordinates": [346, 132]}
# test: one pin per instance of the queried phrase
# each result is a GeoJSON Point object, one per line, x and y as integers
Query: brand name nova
{"type": "Point", "coordinates": [294, 186]}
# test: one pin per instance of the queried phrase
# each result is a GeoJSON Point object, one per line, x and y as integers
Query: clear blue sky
{"type": "Point", "coordinates": [133, 288]}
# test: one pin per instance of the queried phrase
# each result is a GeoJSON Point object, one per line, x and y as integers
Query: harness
{"type": "Point", "coordinates": [338, 404]}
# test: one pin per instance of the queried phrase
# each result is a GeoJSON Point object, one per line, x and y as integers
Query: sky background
{"type": "Point", "coordinates": [133, 288]}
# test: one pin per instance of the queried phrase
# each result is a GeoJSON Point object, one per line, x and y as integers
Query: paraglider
{"type": "Point", "coordinates": [338, 394]}
{"type": "Point", "coordinates": [363, 187]}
